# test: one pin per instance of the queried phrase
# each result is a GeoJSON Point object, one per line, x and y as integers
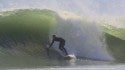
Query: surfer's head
{"type": "Point", "coordinates": [54, 36]}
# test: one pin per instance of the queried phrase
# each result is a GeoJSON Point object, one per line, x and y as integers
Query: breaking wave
{"type": "Point", "coordinates": [28, 31]}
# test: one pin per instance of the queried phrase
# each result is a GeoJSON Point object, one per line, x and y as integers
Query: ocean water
{"type": "Point", "coordinates": [25, 34]}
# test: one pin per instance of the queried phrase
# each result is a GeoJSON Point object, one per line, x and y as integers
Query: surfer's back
{"type": "Point", "coordinates": [59, 39]}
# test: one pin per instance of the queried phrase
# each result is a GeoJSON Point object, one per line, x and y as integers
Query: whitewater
{"type": "Point", "coordinates": [26, 29]}
{"type": "Point", "coordinates": [83, 38]}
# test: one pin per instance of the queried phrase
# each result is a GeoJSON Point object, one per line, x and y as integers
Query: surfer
{"type": "Point", "coordinates": [61, 45]}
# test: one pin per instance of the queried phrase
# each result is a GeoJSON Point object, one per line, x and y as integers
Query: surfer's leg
{"type": "Point", "coordinates": [65, 51]}
{"type": "Point", "coordinates": [60, 47]}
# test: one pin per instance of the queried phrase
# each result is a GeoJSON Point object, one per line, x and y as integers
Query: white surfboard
{"type": "Point", "coordinates": [69, 57]}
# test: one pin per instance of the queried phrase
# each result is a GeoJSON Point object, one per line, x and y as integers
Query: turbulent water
{"type": "Point", "coordinates": [26, 33]}
{"type": "Point", "coordinates": [83, 38]}
{"type": "Point", "coordinates": [28, 27]}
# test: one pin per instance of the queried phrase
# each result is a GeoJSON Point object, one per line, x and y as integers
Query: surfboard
{"type": "Point", "coordinates": [69, 57]}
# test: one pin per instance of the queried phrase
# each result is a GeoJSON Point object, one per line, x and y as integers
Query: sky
{"type": "Point", "coordinates": [102, 7]}
{"type": "Point", "coordinates": [116, 7]}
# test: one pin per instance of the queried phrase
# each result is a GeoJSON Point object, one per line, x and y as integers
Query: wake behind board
{"type": "Point", "coordinates": [69, 57]}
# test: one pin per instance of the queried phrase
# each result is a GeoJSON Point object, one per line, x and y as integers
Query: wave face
{"type": "Point", "coordinates": [115, 38]}
{"type": "Point", "coordinates": [83, 38]}
{"type": "Point", "coordinates": [26, 32]}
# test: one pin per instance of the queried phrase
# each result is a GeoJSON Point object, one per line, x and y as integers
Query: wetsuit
{"type": "Point", "coordinates": [61, 45]}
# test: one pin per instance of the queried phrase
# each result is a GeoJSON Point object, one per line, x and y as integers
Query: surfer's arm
{"type": "Point", "coordinates": [51, 44]}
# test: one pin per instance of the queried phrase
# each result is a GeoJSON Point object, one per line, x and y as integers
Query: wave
{"type": "Point", "coordinates": [115, 38]}
{"type": "Point", "coordinates": [28, 31]}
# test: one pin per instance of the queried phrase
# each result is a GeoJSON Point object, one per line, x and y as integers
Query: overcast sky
{"type": "Point", "coordinates": [102, 7]}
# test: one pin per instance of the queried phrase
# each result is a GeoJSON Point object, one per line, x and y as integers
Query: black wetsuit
{"type": "Point", "coordinates": [61, 45]}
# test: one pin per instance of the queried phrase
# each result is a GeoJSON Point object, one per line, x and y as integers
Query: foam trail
{"type": "Point", "coordinates": [83, 39]}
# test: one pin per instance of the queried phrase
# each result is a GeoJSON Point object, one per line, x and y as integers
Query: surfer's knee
{"type": "Point", "coordinates": [60, 48]}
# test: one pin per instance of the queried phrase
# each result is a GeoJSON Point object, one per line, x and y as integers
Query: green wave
{"type": "Point", "coordinates": [115, 38]}
{"type": "Point", "coordinates": [26, 28]}
{"type": "Point", "coordinates": [26, 32]}
{"type": "Point", "coordinates": [23, 23]}
{"type": "Point", "coordinates": [117, 32]}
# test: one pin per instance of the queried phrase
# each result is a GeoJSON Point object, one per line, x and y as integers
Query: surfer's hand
{"type": "Point", "coordinates": [47, 47]}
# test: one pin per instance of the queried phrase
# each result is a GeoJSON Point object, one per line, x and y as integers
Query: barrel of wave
{"type": "Point", "coordinates": [83, 38]}
{"type": "Point", "coordinates": [25, 31]}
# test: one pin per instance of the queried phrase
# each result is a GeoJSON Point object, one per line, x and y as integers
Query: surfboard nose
{"type": "Point", "coordinates": [69, 57]}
